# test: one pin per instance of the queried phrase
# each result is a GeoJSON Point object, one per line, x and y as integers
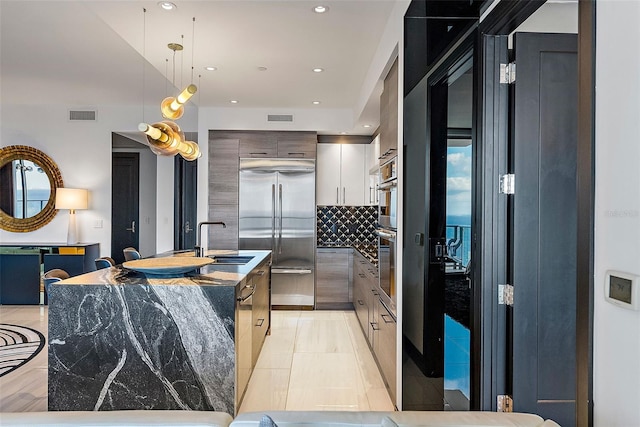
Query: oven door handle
{"type": "Point", "coordinates": [388, 184]}
{"type": "Point", "coordinates": [389, 235]}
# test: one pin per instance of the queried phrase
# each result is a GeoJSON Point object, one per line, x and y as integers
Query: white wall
{"type": "Point", "coordinates": [82, 151]}
{"type": "Point", "coordinates": [617, 211]}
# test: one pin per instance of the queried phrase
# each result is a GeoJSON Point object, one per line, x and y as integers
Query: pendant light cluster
{"type": "Point", "coordinates": [166, 138]}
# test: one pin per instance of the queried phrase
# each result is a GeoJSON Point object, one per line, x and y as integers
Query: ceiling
{"type": "Point", "coordinates": [85, 53]}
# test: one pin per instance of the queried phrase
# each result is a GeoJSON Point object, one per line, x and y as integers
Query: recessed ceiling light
{"type": "Point", "coordinates": [316, 102]}
{"type": "Point", "coordinates": [366, 126]}
{"type": "Point", "coordinates": [262, 68]}
{"type": "Point", "coordinates": [210, 68]}
{"type": "Point", "coordinates": [167, 5]}
{"type": "Point", "coordinates": [233, 101]}
{"type": "Point", "coordinates": [318, 70]}
{"type": "Point", "coordinates": [321, 9]}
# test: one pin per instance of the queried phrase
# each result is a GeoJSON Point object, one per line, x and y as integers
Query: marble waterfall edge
{"type": "Point", "coordinates": [137, 346]}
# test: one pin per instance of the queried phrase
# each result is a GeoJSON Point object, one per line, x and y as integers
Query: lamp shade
{"type": "Point", "coordinates": [72, 198]}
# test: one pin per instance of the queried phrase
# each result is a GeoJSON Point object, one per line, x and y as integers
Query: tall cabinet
{"type": "Point", "coordinates": [340, 174]}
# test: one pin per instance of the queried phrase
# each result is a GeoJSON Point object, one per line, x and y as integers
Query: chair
{"type": "Point", "coordinates": [131, 254]}
{"type": "Point", "coordinates": [51, 277]}
{"type": "Point", "coordinates": [104, 262]}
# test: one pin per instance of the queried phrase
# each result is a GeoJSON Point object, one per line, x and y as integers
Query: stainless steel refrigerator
{"type": "Point", "coordinates": [277, 212]}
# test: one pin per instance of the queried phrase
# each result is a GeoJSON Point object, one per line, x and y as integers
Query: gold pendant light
{"type": "Point", "coordinates": [166, 138]}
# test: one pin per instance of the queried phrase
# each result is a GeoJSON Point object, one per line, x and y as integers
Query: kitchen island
{"type": "Point", "coordinates": [120, 339]}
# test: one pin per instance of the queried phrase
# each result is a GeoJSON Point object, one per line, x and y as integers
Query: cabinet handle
{"type": "Point", "coordinates": [301, 154]}
{"type": "Point", "coordinates": [260, 322]}
{"type": "Point", "coordinates": [257, 154]}
{"type": "Point", "coordinates": [384, 317]}
{"type": "Point", "coordinates": [133, 227]}
{"type": "Point", "coordinates": [373, 326]}
{"type": "Point", "coordinates": [360, 302]}
{"type": "Point", "coordinates": [337, 195]}
{"type": "Point", "coordinates": [344, 195]}
{"type": "Point", "coordinates": [260, 273]}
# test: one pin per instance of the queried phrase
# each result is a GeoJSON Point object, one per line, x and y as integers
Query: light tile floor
{"type": "Point", "coordinates": [316, 360]}
{"type": "Point", "coordinates": [313, 360]}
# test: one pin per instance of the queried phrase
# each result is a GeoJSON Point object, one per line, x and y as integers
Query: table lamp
{"type": "Point", "coordinates": [72, 199]}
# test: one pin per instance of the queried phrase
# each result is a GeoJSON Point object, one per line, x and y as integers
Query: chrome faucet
{"type": "Point", "coordinates": [198, 248]}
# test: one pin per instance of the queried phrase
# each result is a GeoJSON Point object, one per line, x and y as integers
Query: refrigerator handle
{"type": "Point", "coordinates": [273, 216]}
{"type": "Point", "coordinates": [280, 225]}
{"type": "Point", "coordinates": [337, 195]}
{"type": "Point", "coordinates": [344, 195]}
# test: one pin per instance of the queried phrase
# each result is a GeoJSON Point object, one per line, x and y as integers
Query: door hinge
{"type": "Point", "coordinates": [505, 403]}
{"type": "Point", "coordinates": [508, 184]}
{"type": "Point", "coordinates": [508, 73]}
{"type": "Point", "coordinates": [505, 294]}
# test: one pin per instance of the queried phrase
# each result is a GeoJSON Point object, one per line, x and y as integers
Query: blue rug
{"type": "Point", "coordinates": [18, 345]}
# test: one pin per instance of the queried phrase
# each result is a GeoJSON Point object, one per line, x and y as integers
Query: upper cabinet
{"type": "Point", "coordinates": [340, 170]}
{"type": "Point", "coordinates": [278, 144]}
{"type": "Point", "coordinates": [389, 115]}
{"type": "Point", "coordinates": [297, 144]}
{"type": "Point", "coordinates": [373, 152]}
{"type": "Point", "coordinates": [372, 166]}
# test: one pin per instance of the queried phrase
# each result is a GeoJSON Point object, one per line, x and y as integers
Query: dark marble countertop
{"type": "Point", "coordinates": [209, 275]}
{"type": "Point", "coordinates": [369, 251]}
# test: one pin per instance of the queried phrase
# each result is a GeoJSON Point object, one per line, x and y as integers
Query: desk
{"type": "Point", "coordinates": [21, 265]}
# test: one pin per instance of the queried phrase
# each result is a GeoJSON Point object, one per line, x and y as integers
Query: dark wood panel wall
{"type": "Point", "coordinates": [389, 115]}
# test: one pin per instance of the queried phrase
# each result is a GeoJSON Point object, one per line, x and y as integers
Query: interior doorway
{"type": "Point", "coordinates": [126, 144]}
{"type": "Point", "coordinates": [437, 312]}
{"type": "Point", "coordinates": [125, 191]}
{"type": "Point", "coordinates": [457, 295]}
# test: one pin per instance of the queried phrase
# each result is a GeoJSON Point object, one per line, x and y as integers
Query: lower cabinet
{"type": "Point", "coordinates": [260, 311]}
{"type": "Point", "coordinates": [377, 322]}
{"type": "Point", "coordinates": [21, 265]}
{"type": "Point", "coordinates": [333, 283]}
{"type": "Point", "coordinates": [253, 319]}
{"type": "Point", "coordinates": [384, 346]}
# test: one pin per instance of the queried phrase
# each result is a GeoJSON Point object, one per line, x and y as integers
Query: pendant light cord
{"type": "Point", "coordinates": [144, 49]}
{"type": "Point", "coordinates": [193, 47]}
{"type": "Point", "coordinates": [181, 60]}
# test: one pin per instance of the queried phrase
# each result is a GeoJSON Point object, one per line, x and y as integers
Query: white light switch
{"type": "Point", "coordinates": [97, 223]}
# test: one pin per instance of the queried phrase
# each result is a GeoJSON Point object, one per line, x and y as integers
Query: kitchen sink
{"type": "Point", "coordinates": [231, 259]}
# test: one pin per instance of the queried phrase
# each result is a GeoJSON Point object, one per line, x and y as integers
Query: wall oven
{"type": "Point", "coordinates": [386, 266]}
{"type": "Point", "coordinates": [388, 200]}
{"type": "Point", "coordinates": [387, 223]}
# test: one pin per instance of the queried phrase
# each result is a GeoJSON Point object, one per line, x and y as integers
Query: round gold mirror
{"type": "Point", "coordinates": [28, 183]}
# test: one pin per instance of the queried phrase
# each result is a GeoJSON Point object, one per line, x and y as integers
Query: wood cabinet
{"type": "Point", "coordinates": [297, 144]}
{"type": "Point", "coordinates": [260, 310]}
{"type": "Point", "coordinates": [253, 322]}
{"type": "Point", "coordinates": [389, 115]}
{"type": "Point", "coordinates": [377, 322]}
{"type": "Point", "coordinates": [278, 144]}
{"type": "Point", "coordinates": [371, 173]}
{"type": "Point", "coordinates": [223, 190]}
{"type": "Point", "coordinates": [365, 288]}
{"type": "Point", "coordinates": [384, 346]}
{"type": "Point", "coordinates": [333, 278]}
{"type": "Point", "coordinates": [340, 174]}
